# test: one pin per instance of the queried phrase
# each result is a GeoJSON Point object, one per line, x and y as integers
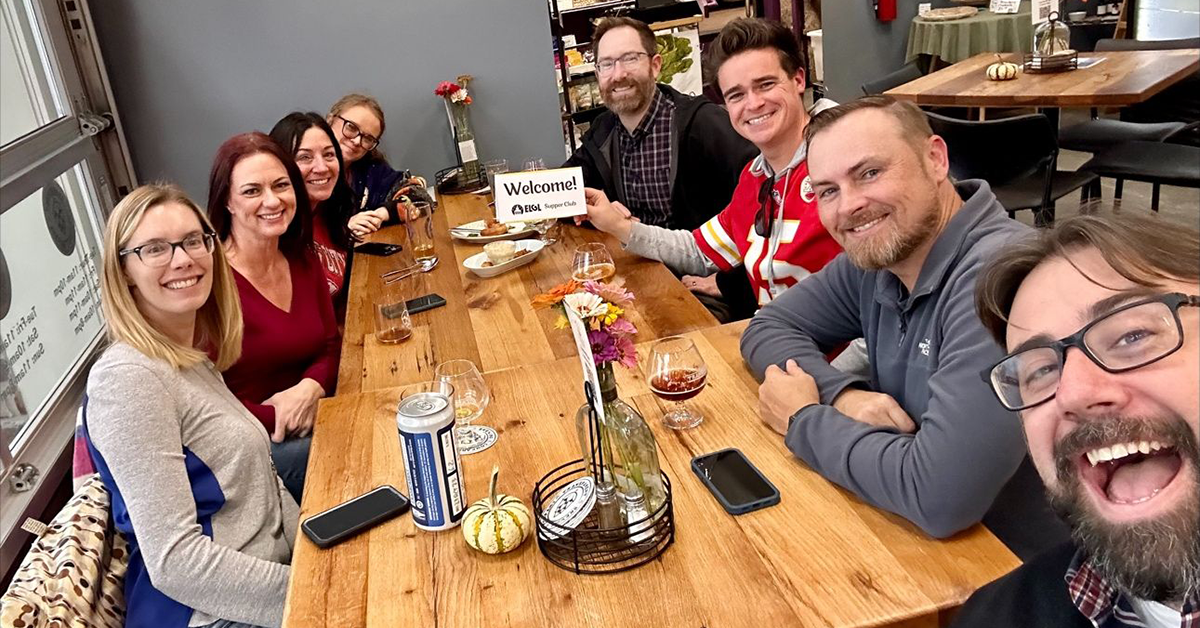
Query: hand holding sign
{"type": "Point", "coordinates": [539, 195]}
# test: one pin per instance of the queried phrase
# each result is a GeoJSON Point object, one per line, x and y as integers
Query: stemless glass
{"type": "Point", "coordinates": [534, 164]}
{"type": "Point", "coordinates": [418, 224]}
{"type": "Point", "coordinates": [494, 167]}
{"type": "Point", "coordinates": [471, 395]}
{"type": "Point", "coordinates": [677, 373]}
{"type": "Point", "coordinates": [592, 263]}
{"type": "Point", "coordinates": [548, 230]}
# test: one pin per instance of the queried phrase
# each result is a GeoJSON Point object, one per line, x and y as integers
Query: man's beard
{"type": "Point", "coordinates": [1156, 559]}
{"type": "Point", "coordinates": [632, 101]}
{"type": "Point", "coordinates": [884, 250]}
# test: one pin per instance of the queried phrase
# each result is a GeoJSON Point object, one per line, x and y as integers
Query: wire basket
{"type": "Point", "coordinates": [590, 549]}
{"type": "Point", "coordinates": [1061, 62]}
{"type": "Point", "coordinates": [454, 180]}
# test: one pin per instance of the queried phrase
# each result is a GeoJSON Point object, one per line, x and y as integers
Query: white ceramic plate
{"type": "Point", "coordinates": [475, 262]}
{"type": "Point", "coordinates": [515, 230]}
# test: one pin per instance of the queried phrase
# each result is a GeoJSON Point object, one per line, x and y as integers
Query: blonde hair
{"type": "Point", "coordinates": [355, 99]}
{"type": "Point", "coordinates": [218, 321]}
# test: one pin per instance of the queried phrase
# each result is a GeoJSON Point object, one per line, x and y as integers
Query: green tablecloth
{"type": "Point", "coordinates": [956, 40]}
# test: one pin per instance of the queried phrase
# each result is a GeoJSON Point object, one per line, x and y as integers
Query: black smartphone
{"type": "Point", "coordinates": [733, 480]}
{"type": "Point", "coordinates": [345, 520]}
{"type": "Point", "coordinates": [427, 302]}
{"type": "Point", "coordinates": [382, 249]}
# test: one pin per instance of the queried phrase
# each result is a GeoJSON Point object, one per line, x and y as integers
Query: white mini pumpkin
{"type": "Point", "coordinates": [1001, 70]}
{"type": "Point", "coordinates": [497, 523]}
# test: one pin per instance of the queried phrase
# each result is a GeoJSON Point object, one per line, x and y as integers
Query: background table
{"type": "Point", "coordinates": [1122, 78]}
{"type": "Point", "coordinates": [955, 40]}
{"type": "Point", "coordinates": [489, 321]}
{"type": "Point", "coordinates": [818, 558]}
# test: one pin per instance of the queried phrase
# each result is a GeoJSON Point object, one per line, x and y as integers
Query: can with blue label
{"type": "Point", "coordinates": [435, 487]}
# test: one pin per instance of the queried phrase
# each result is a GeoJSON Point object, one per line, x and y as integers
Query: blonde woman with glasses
{"type": "Point", "coordinates": [357, 121]}
{"type": "Point", "coordinates": [209, 523]}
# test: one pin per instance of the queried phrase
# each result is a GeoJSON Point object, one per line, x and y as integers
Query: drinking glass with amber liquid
{"type": "Point", "coordinates": [471, 394]}
{"type": "Point", "coordinates": [592, 263]}
{"type": "Point", "coordinates": [677, 373]}
{"type": "Point", "coordinates": [418, 224]}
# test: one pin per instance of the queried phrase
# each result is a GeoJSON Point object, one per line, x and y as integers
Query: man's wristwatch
{"type": "Point", "coordinates": [792, 419]}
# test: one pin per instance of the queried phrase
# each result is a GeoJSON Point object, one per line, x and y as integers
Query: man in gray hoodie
{"type": "Point", "coordinates": [922, 437]}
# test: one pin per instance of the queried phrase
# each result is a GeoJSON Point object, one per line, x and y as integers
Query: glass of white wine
{"type": "Point", "coordinates": [471, 395]}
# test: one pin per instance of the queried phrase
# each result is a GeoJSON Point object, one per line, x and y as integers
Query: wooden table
{"type": "Point", "coordinates": [489, 321]}
{"type": "Point", "coordinates": [819, 558]}
{"type": "Point", "coordinates": [1122, 78]}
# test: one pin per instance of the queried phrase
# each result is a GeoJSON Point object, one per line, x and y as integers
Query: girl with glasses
{"type": "Point", "coordinates": [209, 524]}
{"type": "Point", "coordinates": [258, 206]}
{"type": "Point", "coordinates": [358, 122]}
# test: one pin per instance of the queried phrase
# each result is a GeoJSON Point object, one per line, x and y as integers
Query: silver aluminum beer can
{"type": "Point", "coordinates": [431, 463]}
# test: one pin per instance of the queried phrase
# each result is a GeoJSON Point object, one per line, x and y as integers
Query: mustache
{"type": "Point", "coordinates": [1106, 430]}
{"type": "Point", "coordinates": [861, 218]}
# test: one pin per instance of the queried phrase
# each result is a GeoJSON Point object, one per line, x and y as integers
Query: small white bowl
{"type": "Point", "coordinates": [476, 262]}
{"type": "Point", "coordinates": [1077, 16]}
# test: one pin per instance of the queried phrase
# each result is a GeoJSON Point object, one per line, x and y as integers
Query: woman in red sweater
{"type": "Point", "coordinates": [290, 348]}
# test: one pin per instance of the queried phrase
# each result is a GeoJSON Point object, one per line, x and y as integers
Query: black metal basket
{"type": "Point", "coordinates": [1038, 64]}
{"type": "Point", "coordinates": [590, 549]}
{"type": "Point", "coordinates": [454, 180]}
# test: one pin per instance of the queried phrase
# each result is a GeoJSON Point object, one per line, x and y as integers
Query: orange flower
{"type": "Point", "coordinates": [555, 295]}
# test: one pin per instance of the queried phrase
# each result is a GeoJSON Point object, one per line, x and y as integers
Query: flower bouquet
{"type": "Point", "coordinates": [456, 98]}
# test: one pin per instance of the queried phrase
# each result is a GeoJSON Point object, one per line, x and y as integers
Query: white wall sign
{"type": "Point", "coordinates": [1004, 6]}
{"type": "Point", "coordinates": [540, 194]}
{"type": "Point", "coordinates": [1042, 10]}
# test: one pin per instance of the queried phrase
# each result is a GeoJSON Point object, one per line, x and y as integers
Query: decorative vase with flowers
{"type": "Point", "coordinates": [456, 98]}
{"type": "Point", "coordinates": [626, 446]}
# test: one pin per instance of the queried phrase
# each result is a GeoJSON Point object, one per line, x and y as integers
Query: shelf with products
{"type": "Point", "coordinates": [595, 6]}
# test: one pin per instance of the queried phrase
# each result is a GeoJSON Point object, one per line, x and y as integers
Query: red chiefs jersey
{"type": "Point", "coordinates": [798, 246]}
{"type": "Point", "coordinates": [332, 258]}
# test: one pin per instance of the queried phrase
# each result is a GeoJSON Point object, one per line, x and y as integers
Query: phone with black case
{"type": "Point", "coordinates": [347, 519]}
{"type": "Point", "coordinates": [734, 481]}
{"type": "Point", "coordinates": [382, 249]}
{"type": "Point", "coordinates": [427, 302]}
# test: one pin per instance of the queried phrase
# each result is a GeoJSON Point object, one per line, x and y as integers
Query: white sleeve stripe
{"type": "Point", "coordinates": [716, 237]}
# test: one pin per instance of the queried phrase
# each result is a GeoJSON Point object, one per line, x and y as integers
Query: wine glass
{"type": "Point", "coordinates": [592, 263]}
{"type": "Point", "coordinates": [471, 394]}
{"type": "Point", "coordinates": [547, 229]}
{"type": "Point", "coordinates": [677, 373]}
{"type": "Point", "coordinates": [492, 168]}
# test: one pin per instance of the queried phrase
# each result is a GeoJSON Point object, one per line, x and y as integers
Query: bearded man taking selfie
{"type": "Point", "coordinates": [1100, 320]}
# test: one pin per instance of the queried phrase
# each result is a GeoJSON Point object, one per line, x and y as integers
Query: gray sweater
{"type": "Point", "coordinates": [195, 490]}
{"type": "Point", "coordinates": [926, 350]}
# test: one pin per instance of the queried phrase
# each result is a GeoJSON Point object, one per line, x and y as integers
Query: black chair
{"type": "Point", "coordinates": [1016, 156]}
{"type": "Point", "coordinates": [1157, 163]}
{"type": "Point", "coordinates": [1097, 134]}
{"type": "Point", "coordinates": [910, 72]}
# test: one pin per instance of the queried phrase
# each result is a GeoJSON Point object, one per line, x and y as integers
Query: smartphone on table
{"type": "Point", "coordinates": [734, 481]}
{"type": "Point", "coordinates": [348, 519]}
{"type": "Point", "coordinates": [427, 302]}
{"type": "Point", "coordinates": [382, 249]}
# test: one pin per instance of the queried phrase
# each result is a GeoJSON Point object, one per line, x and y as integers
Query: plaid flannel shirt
{"type": "Point", "coordinates": [646, 163]}
{"type": "Point", "coordinates": [1105, 606]}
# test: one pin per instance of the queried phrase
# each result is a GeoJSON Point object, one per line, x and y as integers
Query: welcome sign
{"type": "Point", "coordinates": [539, 194]}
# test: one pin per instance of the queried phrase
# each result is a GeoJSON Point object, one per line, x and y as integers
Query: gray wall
{"type": "Point", "coordinates": [190, 73]}
{"type": "Point", "coordinates": [860, 48]}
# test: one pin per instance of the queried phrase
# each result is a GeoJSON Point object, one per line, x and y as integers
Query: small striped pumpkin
{"type": "Point", "coordinates": [497, 523]}
{"type": "Point", "coordinates": [1001, 70]}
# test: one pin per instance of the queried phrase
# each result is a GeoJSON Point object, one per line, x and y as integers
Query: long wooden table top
{"type": "Point", "coordinates": [820, 557]}
{"type": "Point", "coordinates": [489, 321]}
{"type": "Point", "coordinates": [1122, 78]}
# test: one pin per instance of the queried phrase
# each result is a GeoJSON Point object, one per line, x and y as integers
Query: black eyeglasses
{"type": "Point", "coordinates": [350, 131]}
{"type": "Point", "coordinates": [1129, 337]}
{"type": "Point", "coordinates": [766, 208]}
{"type": "Point", "coordinates": [628, 61]}
{"type": "Point", "coordinates": [159, 253]}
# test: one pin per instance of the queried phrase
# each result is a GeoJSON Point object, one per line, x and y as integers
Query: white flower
{"type": "Point", "coordinates": [458, 96]}
{"type": "Point", "coordinates": [586, 304]}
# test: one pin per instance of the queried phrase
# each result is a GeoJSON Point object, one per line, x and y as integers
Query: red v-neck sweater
{"type": "Point", "coordinates": [281, 348]}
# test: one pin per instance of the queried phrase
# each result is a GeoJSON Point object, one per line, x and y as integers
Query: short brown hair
{"type": "Point", "coordinates": [752, 33]}
{"type": "Point", "coordinates": [608, 23]}
{"type": "Point", "coordinates": [914, 125]}
{"type": "Point", "coordinates": [1142, 249]}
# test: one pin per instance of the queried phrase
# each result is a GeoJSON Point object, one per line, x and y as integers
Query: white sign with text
{"type": "Point", "coordinates": [539, 195]}
{"type": "Point", "coordinates": [1042, 10]}
{"type": "Point", "coordinates": [586, 360]}
{"type": "Point", "coordinates": [1004, 6]}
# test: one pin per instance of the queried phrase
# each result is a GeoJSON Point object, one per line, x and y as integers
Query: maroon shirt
{"type": "Point", "coordinates": [281, 348]}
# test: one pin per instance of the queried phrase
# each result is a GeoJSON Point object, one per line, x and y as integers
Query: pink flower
{"type": "Point", "coordinates": [445, 88]}
{"type": "Point", "coordinates": [610, 293]}
{"type": "Point", "coordinates": [604, 347]}
{"type": "Point", "coordinates": [622, 327]}
{"type": "Point", "coordinates": [626, 352]}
